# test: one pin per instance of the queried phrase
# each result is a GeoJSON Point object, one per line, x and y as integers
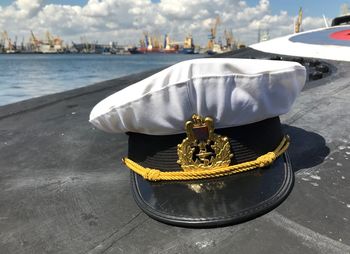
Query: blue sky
{"type": "Point", "coordinates": [330, 8]}
{"type": "Point", "coordinates": [125, 21]}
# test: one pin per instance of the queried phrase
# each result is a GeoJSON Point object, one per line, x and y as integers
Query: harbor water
{"type": "Point", "coordinates": [25, 76]}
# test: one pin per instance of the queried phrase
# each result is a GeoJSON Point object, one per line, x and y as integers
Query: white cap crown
{"type": "Point", "coordinates": [232, 91]}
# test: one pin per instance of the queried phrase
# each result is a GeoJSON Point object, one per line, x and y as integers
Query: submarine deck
{"type": "Point", "coordinates": [63, 188]}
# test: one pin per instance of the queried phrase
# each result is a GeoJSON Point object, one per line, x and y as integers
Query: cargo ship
{"type": "Point", "coordinates": [169, 47]}
{"type": "Point", "coordinates": [151, 44]}
{"type": "Point", "coordinates": [188, 47]}
{"type": "Point", "coordinates": [92, 48]}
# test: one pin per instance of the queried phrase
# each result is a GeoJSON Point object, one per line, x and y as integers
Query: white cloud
{"type": "Point", "coordinates": [125, 21]}
{"type": "Point", "coordinates": [309, 23]}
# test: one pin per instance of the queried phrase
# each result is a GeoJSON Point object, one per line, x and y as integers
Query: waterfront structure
{"type": "Point", "coordinates": [150, 43]}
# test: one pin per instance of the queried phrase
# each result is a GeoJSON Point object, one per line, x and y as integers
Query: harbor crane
{"type": "Point", "coordinates": [49, 38]}
{"type": "Point", "coordinates": [212, 35]}
{"type": "Point", "coordinates": [229, 39]}
{"type": "Point", "coordinates": [2, 43]}
{"type": "Point", "coordinates": [35, 42]}
{"type": "Point", "coordinates": [10, 46]}
{"type": "Point", "coordinates": [298, 21]}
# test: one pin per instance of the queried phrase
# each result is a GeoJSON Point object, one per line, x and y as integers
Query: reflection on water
{"type": "Point", "coordinates": [27, 76]}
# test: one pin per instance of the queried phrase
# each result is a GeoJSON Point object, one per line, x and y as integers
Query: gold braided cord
{"type": "Point", "coordinates": [157, 175]}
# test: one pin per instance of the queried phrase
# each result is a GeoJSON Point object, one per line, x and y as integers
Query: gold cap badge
{"type": "Point", "coordinates": [203, 149]}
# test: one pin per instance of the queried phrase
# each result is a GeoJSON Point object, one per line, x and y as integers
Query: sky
{"type": "Point", "coordinates": [125, 21]}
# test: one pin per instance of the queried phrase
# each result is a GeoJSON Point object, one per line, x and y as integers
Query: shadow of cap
{"type": "Point", "coordinates": [307, 149]}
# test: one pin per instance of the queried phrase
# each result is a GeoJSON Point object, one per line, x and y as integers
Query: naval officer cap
{"type": "Point", "coordinates": [206, 146]}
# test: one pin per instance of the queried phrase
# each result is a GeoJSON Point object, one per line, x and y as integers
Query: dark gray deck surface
{"type": "Point", "coordinates": [63, 188]}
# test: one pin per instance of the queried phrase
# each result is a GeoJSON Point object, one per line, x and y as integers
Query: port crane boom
{"type": "Point", "coordinates": [10, 46]}
{"type": "Point", "coordinates": [298, 21]}
{"type": "Point", "coordinates": [212, 35]}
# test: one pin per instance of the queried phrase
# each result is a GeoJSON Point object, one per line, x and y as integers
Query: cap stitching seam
{"type": "Point", "coordinates": [189, 82]}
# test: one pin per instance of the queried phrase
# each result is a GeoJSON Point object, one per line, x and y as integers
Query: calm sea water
{"type": "Point", "coordinates": [26, 76]}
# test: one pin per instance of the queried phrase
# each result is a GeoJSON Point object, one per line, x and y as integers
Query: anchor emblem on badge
{"type": "Point", "coordinates": [203, 149]}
